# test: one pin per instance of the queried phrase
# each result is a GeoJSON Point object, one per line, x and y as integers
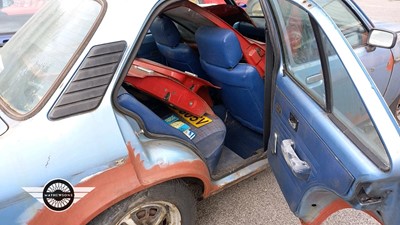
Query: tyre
{"type": "Point", "coordinates": [395, 108]}
{"type": "Point", "coordinates": [170, 203]}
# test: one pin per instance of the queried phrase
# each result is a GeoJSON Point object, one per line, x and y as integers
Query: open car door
{"type": "Point", "coordinates": [334, 143]}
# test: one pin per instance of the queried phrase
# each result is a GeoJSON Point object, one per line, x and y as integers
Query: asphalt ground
{"type": "Point", "coordinates": [258, 200]}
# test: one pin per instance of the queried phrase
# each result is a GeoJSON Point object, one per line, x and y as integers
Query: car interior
{"type": "Point", "coordinates": [199, 77]}
{"type": "Point", "coordinates": [190, 80]}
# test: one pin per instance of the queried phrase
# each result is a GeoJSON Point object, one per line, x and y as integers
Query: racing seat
{"type": "Point", "coordinates": [208, 139]}
{"type": "Point", "coordinates": [242, 88]}
{"type": "Point", "coordinates": [178, 55]}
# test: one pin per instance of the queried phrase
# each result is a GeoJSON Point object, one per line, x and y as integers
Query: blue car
{"type": "Point", "coordinates": [112, 113]}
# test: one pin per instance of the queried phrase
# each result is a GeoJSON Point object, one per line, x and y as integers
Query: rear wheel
{"type": "Point", "coordinates": [170, 203]}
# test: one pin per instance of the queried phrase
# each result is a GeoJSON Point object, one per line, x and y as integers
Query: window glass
{"type": "Point", "coordinates": [208, 2]}
{"type": "Point", "coordinates": [303, 64]}
{"type": "Point", "coordinates": [15, 13]}
{"type": "Point", "coordinates": [349, 109]}
{"type": "Point", "coordinates": [350, 25]}
{"type": "Point", "coordinates": [302, 58]}
{"type": "Point", "coordinates": [253, 8]}
{"type": "Point", "coordinates": [346, 20]}
{"type": "Point", "coordinates": [34, 58]}
{"type": "Point", "coordinates": [187, 21]}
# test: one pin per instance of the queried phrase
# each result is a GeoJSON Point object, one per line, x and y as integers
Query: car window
{"type": "Point", "coordinates": [33, 59]}
{"type": "Point", "coordinates": [301, 50]}
{"type": "Point", "coordinates": [187, 21]}
{"type": "Point", "coordinates": [208, 2]}
{"type": "Point", "coordinates": [351, 27]}
{"type": "Point", "coordinates": [241, 3]}
{"type": "Point", "coordinates": [304, 64]}
{"type": "Point", "coordinates": [15, 13]}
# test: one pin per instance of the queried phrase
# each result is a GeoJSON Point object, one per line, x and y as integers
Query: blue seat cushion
{"type": "Point", "coordinates": [242, 93]}
{"type": "Point", "coordinates": [217, 38]}
{"type": "Point", "coordinates": [242, 88]}
{"type": "Point", "coordinates": [165, 32]}
{"type": "Point", "coordinates": [208, 139]}
{"type": "Point", "coordinates": [178, 55]}
{"type": "Point", "coordinates": [183, 58]}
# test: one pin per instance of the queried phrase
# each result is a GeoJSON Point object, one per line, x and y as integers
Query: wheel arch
{"type": "Point", "coordinates": [120, 182]}
{"type": "Point", "coordinates": [319, 205]}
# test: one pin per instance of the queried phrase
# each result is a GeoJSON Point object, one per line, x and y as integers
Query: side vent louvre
{"type": "Point", "coordinates": [90, 82]}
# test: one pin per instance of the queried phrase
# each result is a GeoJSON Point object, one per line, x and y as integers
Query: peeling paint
{"type": "Point", "coordinates": [168, 170]}
{"type": "Point", "coordinates": [111, 186]}
{"type": "Point", "coordinates": [390, 64]}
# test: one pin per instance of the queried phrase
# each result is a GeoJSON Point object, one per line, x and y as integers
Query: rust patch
{"type": "Point", "coordinates": [390, 65]}
{"type": "Point", "coordinates": [335, 206]}
{"type": "Point", "coordinates": [117, 184]}
{"type": "Point", "coordinates": [111, 187]}
{"type": "Point", "coordinates": [327, 211]}
{"type": "Point", "coordinates": [158, 174]}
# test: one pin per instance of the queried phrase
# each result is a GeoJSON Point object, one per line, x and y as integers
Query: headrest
{"type": "Point", "coordinates": [219, 47]}
{"type": "Point", "coordinates": [165, 32]}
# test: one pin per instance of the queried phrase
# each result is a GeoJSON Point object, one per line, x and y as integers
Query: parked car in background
{"type": "Point", "coordinates": [14, 14]}
{"type": "Point", "coordinates": [112, 113]}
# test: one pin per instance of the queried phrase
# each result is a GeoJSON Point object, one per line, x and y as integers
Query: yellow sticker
{"type": "Point", "coordinates": [197, 121]}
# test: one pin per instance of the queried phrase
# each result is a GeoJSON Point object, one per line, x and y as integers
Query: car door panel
{"type": "Point", "coordinates": [333, 139]}
{"type": "Point", "coordinates": [308, 146]}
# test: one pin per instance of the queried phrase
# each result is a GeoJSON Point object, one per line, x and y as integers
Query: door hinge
{"type": "Point", "coordinates": [366, 199]}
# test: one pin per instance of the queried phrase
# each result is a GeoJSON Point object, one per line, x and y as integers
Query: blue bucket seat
{"type": "Point", "coordinates": [242, 88]}
{"type": "Point", "coordinates": [178, 55]}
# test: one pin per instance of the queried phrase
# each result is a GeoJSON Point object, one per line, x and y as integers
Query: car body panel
{"type": "Point", "coordinates": [130, 176]}
{"type": "Point", "coordinates": [385, 78]}
{"type": "Point", "coordinates": [376, 66]}
{"type": "Point", "coordinates": [324, 149]}
{"type": "Point", "coordinates": [118, 153]}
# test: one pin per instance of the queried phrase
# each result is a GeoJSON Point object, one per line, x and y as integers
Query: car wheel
{"type": "Point", "coordinates": [396, 109]}
{"type": "Point", "coordinates": [170, 203]}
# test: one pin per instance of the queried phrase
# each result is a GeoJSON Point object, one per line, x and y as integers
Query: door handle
{"type": "Point", "coordinates": [299, 168]}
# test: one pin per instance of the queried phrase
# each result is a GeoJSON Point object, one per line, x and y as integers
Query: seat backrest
{"type": "Point", "coordinates": [242, 88]}
{"type": "Point", "coordinates": [178, 55]}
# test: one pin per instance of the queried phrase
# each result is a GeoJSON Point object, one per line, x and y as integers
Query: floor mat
{"type": "Point", "coordinates": [241, 139]}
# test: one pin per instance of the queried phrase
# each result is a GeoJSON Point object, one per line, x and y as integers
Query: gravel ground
{"type": "Point", "coordinates": [258, 200]}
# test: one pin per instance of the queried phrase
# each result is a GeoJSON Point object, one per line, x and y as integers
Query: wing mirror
{"type": "Point", "coordinates": [382, 38]}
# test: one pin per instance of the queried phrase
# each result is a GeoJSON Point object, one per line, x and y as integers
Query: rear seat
{"type": "Point", "coordinates": [208, 138]}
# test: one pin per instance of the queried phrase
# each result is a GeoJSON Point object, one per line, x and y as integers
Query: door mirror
{"type": "Point", "coordinates": [382, 38]}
